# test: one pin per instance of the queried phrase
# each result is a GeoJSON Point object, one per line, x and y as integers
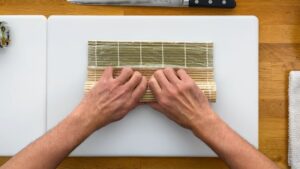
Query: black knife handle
{"type": "Point", "coordinates": [212, 3]}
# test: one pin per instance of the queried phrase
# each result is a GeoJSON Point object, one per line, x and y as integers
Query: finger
{"type": "Point", "coordinates": [183, 75]}
{"type": "Point", "coordinates": [134, 80]}
{"type": "Point", "coordinates": [159, 108]}
{"type": "Point", "coordinates": [142, 103]}
{"type": "Point", "coordinates": [107, 73]}
{"type": "Point", "coordinates": [125, 75]}
{"type": "Point", "coordinates": [154, 86]}
{"type": "Point", "coordinates": [171, 75]}
{"type": "Point", "coordinates": [161, 79]}
{"type": "Point", "coordinates": [156, 106]}
{"type": "Point", "coordinates": [140, 89]}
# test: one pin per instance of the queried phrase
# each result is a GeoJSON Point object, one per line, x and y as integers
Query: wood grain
{"type": "Point", "coordinates": [279, 53]}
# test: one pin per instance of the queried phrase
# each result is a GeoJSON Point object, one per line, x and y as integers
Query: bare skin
{"type": "Point", "coordinates": [180, 99]}
{"type": "Point", "coordinates": [112, 98]}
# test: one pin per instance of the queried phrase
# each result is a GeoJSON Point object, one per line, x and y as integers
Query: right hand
{"type": "Point", "coordinates": [179, 98]}
{"type": "Point", "coordinates": [112, 98]}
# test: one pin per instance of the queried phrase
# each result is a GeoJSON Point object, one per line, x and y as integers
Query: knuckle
{"type": "Point", "coordinates": [181, 70]}
{"type": "Point", "coordinates": [167, 70]}
{"type": "Point", "coordinates": [138, 74]}
{"type": "Point", "coordinates": [103, 80]}
{"type": "Point", "coordinates": [104, 83]}
{"type": "Point", "coordinates": [158, 72]}
{"type": "Point", "coordinates": [151, 80]}
{"type": "Point", "coordinates": [128, 70]}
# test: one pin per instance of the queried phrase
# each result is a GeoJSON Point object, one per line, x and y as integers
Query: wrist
{"type": "Point", "coordinates": [86, 118]}
{"type": "Point", "coordinates": [207, 127]}
{"type": "Point", "coordinates": [72, 130]}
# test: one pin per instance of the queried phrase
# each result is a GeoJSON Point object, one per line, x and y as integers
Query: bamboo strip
{"type": "Point", "coordinates": [147, 57]}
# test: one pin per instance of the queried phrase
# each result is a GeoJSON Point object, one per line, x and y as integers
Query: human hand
{"type": "Point", "coordinates": [179, 98]}
{"type": "Point", "coordinates": [112, 98]}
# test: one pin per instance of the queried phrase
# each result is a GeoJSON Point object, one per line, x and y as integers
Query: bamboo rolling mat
{"type": "Point", "coordinates": [146, 57]}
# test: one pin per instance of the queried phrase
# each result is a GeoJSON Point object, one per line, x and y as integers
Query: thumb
{"type": "Point", "coordinates": [156, 106]}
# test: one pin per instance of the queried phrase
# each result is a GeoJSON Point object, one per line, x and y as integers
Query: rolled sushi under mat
{"type": "Point", "coordinates": [146, 57]}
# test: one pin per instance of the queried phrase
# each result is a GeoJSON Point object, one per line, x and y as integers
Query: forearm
{"type": "Point", "coordinates": [231, 147]}
{"type": "Point", "coordinates": [49, 150]}
{"type": "Point", "coordinates": [109, 100]}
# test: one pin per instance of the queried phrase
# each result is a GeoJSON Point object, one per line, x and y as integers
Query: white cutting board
{"type": "Point", "coordinates": [145, 132]}
{"type": "Point", "coordinates": [23, 83]}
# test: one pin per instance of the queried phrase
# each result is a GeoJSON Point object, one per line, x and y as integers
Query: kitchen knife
{"type": "Point", "coordinates": [163, 3]}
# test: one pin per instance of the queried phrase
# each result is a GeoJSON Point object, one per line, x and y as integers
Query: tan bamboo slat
{"type": "Point", "coordinates": [146, 57]}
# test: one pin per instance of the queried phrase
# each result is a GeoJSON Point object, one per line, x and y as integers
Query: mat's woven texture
{"type": "Point", "coordinates": [146, 57]}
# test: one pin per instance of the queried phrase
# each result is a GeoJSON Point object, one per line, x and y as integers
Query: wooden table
{"type": "Point", "coordinates": [279, 53]}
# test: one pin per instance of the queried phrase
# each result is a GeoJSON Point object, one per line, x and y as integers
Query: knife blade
{"type": "Point", "coordinates": [162, 3]}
